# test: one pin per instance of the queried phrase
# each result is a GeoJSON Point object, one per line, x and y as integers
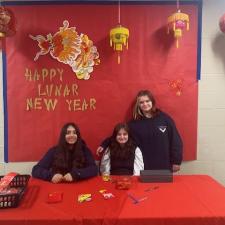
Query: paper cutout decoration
{"type": "Point", "coordinates": [68, 47]}
{"type": "Point", "coordinates": [176, 85]}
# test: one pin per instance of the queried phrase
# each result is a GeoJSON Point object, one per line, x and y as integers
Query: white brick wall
{"type": "Point", "coordinates": [211, 113]}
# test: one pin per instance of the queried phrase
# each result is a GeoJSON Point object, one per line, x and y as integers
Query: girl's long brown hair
{"type": "Point", "coordinates": [137, 113]}
{"type": "Point", "coordinates": [65, 157]}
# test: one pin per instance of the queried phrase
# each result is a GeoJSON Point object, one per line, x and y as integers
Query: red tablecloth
{"type": "Point", "coordinates": [189, 200]}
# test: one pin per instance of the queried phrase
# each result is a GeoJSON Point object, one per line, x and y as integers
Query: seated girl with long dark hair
{"type": "Point", "coordinates": [70, 160]}
{"type": "Point", "coordinates": [122, 157]}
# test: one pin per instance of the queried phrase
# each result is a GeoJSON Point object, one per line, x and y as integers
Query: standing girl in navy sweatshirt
{"type": "Point", "coordinates": [70, 160]}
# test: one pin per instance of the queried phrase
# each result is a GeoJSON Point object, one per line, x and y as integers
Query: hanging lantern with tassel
{"type": "Point", "coordinates": [7, 23]}
{"type": "Point", "coordinates": [119, 36]}
{"type": "Point", "coordinates": [177, 22]}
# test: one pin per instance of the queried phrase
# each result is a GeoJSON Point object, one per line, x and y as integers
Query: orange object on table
{"type": "Point", "coordinates": [123, 183]}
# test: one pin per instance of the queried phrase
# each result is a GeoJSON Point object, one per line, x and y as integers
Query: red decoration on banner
{"type": "Point", "coordinates": [176, 85]}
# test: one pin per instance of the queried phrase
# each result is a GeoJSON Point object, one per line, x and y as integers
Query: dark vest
{"type": "Point", "coordinates": [122, 166]}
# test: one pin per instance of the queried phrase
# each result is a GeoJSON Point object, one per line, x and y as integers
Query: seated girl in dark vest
{"type": "Point", "coordinates": [70, 160]}
{"type": "Point", "coordinates": [122, 157]}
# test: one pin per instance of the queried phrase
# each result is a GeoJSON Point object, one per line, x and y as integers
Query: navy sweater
{"type": "Point", "coordinates": [158, 139]}
{"type": "Point", "coordinates": [43, 169]}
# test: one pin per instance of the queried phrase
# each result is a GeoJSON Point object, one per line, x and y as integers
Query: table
{"type": "Point", "coordinates": [189, 200]}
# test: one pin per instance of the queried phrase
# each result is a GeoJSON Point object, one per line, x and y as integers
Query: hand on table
{"type": "Point", "coordinates": [68, 177]}
{"type": "Point", "coordinates": [175, 168]}
{"type": "Point", "coordinates": [57, 178]}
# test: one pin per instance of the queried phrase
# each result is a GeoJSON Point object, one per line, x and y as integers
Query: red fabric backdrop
{"type": "Point", "coordinates": [152, 62]}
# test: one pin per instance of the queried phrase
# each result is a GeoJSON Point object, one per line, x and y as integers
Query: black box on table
{"type": "Point", "coordinates": [156, 176]}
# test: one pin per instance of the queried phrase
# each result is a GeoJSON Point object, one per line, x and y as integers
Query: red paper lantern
{"type": "Point", "coordinates": [7, 23]}
{"type": "Point", "coordinates": [222, 23]}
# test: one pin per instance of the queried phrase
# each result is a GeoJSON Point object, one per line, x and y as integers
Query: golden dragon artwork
{"type": "Point", "coordinates": [68, 47]}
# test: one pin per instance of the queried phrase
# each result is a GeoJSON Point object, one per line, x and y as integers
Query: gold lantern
{"type": "Point", "coordinates": [119, 37]}
{"type": "Point", "coordinates": [177, 22]}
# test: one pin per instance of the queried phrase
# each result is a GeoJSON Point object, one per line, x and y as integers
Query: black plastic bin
{"type": "Point", "coordinates": [12, 200]}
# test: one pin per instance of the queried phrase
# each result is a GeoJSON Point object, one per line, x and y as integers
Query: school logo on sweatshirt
{"type": "Point", "coordinates": [162, 128]}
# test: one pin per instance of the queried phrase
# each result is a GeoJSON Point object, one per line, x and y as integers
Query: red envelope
{"type": "Point", "coordinates": [55, 197]}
